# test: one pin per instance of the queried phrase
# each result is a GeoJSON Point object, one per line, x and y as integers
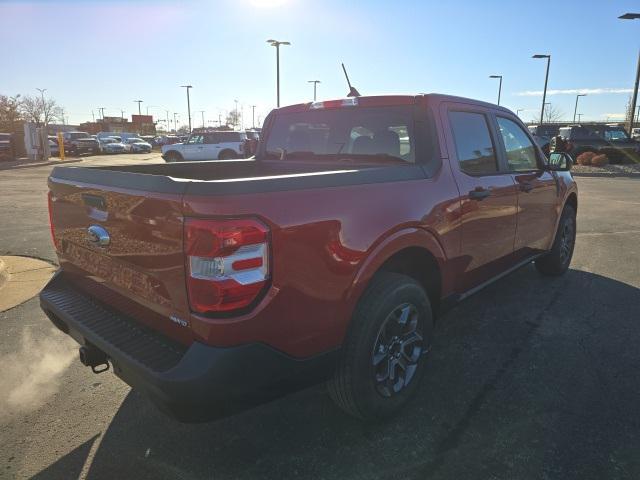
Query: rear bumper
{"type": "Point", "coordinates": [195, 383]}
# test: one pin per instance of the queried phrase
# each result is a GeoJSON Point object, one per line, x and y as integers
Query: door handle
{"type": "Point", "coordinates": [526, 186]}
{"type": "Point", "coordinates": [479, 194]}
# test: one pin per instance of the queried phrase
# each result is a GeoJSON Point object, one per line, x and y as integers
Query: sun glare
{"type": "Point", "coordinates": [268, 3]}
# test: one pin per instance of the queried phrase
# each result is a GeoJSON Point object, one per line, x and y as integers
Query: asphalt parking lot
{"type": "Point", "coordinates": [531, 378]}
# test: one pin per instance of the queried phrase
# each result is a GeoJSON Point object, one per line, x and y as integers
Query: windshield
{"type": "Point", "coordinates": [108, 140]}
{"type": "Point", "coordinates": [615, 134]}
{"type": "Point", "coordinates": [136, 140]}
{"type": "Point", "coordinates": [367, 133]}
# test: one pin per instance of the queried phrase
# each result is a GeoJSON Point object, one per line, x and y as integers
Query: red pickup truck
{"type": "Point", "coordinates": [215, 286]}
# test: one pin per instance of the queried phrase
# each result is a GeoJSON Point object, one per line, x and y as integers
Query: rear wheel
{"type": "Point", "coordinates": [383, 355]}
{"type": "Point", "coordinates": [227, 155]}
{"type": "Point", "coordinates": [557, 261]}
{"type": "Point", "coordinates": [173, 157]}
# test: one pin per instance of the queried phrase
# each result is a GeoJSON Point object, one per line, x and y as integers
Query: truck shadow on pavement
{"type": "Point", "coordinates": [533, 377]}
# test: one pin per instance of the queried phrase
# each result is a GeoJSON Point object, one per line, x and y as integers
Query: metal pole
{"type": "Point", "coordinates": [202, 112]}
{"type": "Point", "coordinates": [278, 74]}
{"type": "Point", "coordinates": [168, 124]}
{"type": "Point", "coordinates": [189, 108]}
{"type": "Point", "coordinates": [575, 109]}
{"type": "Point", "coordinates": [253, 116]}
{"type": "Point", "coordinates": [544, 94]}
{"type": "Point", "coordinates": [634, 99]}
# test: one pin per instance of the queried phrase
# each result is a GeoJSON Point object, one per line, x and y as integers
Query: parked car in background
{"type": "Point", "coordinates": [207, 144]}
{"type": "Point", "coordinates": [78, 143]}
{"type": "Point", "coordinates": [543, 142]}
{"type": "Point", "coordinates": [6, 148]}
{"type": "Point", "coordinates": [611, 140]}
{"type": "Point", "coordinates": [547, 130]}
{"type": "Point", "coordinates": [251, 145]}
{"type": "Point", "coordinates": [150, 139]}
{"type": "Point", "coordinates": [136, 145]}
{"type": "Point", "coordinates": [215, 287]}
{"type": "Point", "coordinates": [111, 145]}
{"type": "Point", "coordinates": [54, 148]}
{"type": "Point", "coordinates": [635, 133]}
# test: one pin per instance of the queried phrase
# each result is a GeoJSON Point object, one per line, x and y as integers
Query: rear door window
{"type": "Point", "coordinates": [474, 147]}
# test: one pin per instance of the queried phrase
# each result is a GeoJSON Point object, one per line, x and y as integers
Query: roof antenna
{"type": "Point", "coordinates": [352, 91]}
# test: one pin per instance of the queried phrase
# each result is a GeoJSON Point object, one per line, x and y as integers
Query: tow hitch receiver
{"type": "Point", "coordinates": [95, 358]}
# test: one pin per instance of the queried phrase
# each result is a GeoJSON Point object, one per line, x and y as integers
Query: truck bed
{"type": "Point", "coordinates": [234, 176]}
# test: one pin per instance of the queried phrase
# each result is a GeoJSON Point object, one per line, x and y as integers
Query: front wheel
{"type": "Point", "coordinates": [384, 353]}
{"type": "Point", "coordinates": [557, 261]}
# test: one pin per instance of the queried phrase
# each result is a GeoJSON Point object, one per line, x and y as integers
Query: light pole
{"type": "Point", "coordinates": [175, 122]}
{"type": "Point", "coordinates": [44, 133]}
{"type": "Point", "coordinates": [101, 113]}
{"type": "Point", "coordinates": [276, 43]}
{"type": "Point", "coordinates": [546, 80]}
{"type": "Point", "coordinates": [634, 99]}
{"type": "Point", "coordinates": [579, 118]}
{"type": "Point", "coordinates": [42, 90]}
{"type": "Point", "coordinates": [168, 124]}
{"type": "Point", "coordinates": [139, 108]}
{"type": "Point", "coordinates": [315, 84]}
{"type": "Point", "coordinates": [253, 116]}
{"type": "Point", "coordinates": [575, 110]}
{"type": "Point", "coordinates": [500, 87]}
{"type": "Point", "coordinates": [236, 117]}
{"type": "Point", "coordinates": [188, 87]}
{"type": "Point", "coordinates": [202, 113]}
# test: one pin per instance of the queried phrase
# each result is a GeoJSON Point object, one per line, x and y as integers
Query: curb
{"type": "Point", "coordinates": [4, 273]}
{"type": "Point", "coordinates": [606, 175]}
{"type": "Point", "coordinates": [17, 165]}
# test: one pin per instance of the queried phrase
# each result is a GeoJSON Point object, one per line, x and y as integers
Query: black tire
{"type": "Point", "coordinates": [173, 157]}
{"type": "Point", "coordinates": [557, 261]}
{"type": "Point", "coordinates": [357, 386]}
{"type": "Point", "coordinates": [227, 155]}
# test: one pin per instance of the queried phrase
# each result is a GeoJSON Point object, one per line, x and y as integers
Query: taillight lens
{"type": "Point", "coordinates": [227, 262]}
{"type": "Point", "coordinates": [51, 225]}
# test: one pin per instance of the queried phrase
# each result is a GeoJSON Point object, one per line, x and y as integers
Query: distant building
{"type": "Point", "coordinates": [140, 124]}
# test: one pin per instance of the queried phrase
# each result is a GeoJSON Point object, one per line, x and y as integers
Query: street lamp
{"type": "Point", "coordinates": [188, 87]}
{"type": "Point", "coordinates": [253, 116]}
{"type": "Point", "coordinates": [101, 113]}
{"type": "Point", "coordinates": [500, 87]}
{"type": "Point", "coordinates": [202, 113]}
{"type": "Point", "coordinates": [138, 102]}
{"type": "Point", "coordinates": [575, 110]}
{"type": "Point", "coordinates": [546, 80]}
{"type": "Point", "coordinates": [276, 43]}
{"type": "Point", "coordinates": [315, 84]}
{"type": "Point", "coordinates": [634, 99]}
{"type": "Point", "coordinates": [175, 122]}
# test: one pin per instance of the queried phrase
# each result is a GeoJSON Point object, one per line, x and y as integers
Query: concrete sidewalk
{"type": "Point", "coordinates": [28, 164]}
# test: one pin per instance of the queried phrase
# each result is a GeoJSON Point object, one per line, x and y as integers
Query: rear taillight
{"type": "Point", "coordinates": [51, 225]}
{"type": "Point", "coordinates": [227, 263]}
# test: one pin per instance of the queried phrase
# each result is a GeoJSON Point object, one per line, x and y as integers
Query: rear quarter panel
{"type": "Point", "coordinates": [326, 243]}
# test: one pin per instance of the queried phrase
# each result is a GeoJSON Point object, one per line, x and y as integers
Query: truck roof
{"type": "Point", "coordinates": [387, 100]}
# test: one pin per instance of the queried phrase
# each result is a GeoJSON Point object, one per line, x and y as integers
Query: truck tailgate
{"type": "Point", "coordinates": [124, 247]}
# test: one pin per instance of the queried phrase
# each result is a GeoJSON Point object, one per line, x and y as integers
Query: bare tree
{"type": "Point", "coordinates": [552, 114]}
{"type": "Point", "coordinates": [39, 111]}
{"type": "Point", "coordinates": [9, 112]}
{"type": "Point", "coordinates": [233, 118]}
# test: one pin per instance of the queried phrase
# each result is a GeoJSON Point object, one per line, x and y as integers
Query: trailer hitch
{"type": "Point", "coordinates": [95, 358]}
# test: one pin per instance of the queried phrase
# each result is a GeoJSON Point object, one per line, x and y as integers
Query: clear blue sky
{"type": "Point", "coordinates": [92, 53]}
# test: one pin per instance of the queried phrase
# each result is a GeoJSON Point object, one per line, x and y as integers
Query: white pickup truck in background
{"type": "Point", "coordinates": [207, 144]}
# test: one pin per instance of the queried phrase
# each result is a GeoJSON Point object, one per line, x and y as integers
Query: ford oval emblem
{"type": "Point", "coordinates": [98, 235]}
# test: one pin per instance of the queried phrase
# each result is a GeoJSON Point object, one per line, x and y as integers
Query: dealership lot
{"type": "Point", "coordinates": [531, 378]}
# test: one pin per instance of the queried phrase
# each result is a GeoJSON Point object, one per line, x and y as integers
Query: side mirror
{"type": "Point", "coordinates": [559, 162]}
